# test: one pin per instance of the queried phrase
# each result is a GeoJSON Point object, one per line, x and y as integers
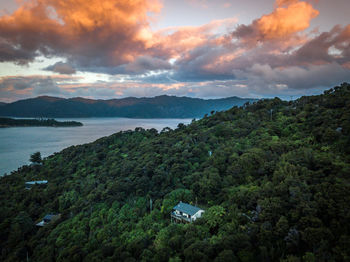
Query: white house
{"type": "Point", "coordinates": [29, 184]}
{"type": "Point", "coordinates": [183, 212]}
{"type": "Point", "coordinates": [47, 219]}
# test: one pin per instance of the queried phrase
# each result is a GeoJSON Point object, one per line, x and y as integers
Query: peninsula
{"type": "Point", "coordinates": [11, 122]}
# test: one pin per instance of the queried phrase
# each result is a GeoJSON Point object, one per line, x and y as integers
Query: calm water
{"type": "Point", "coordinates": [18, 143]}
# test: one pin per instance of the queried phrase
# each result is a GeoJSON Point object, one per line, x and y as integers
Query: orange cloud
{"type": "Point", "coordinates": [179, 41]}
{"type": "Point", "coordinates": [285, 21]}
{"type": "Point", "coordinates": [101, 33]}
{"type": "Point", "coordinates": [101, 36]}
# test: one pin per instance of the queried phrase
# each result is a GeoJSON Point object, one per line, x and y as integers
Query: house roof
{"type": "Point", "coordinates": [186, 208]}
{"type": "Point", "coordinates": [48, 217]}
{"type": "Point", "coordinates": [36, 182]}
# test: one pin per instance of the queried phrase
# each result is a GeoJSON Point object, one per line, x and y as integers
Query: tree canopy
{"type": "Point", "coordinates": [274, 189]}
{"type": "Point", "coordinates": [35, 158]}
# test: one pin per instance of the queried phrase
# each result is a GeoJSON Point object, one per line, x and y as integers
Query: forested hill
{"type": "Point", "coordinates": [155, 107]}
{"type": "Point", "coordinates": [274, 189]}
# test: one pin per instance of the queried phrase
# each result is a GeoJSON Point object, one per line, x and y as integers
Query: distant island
{"type": "Point", "coordinates": [10, 122]}
{"type": "Point", "coordinates": [130, 107]}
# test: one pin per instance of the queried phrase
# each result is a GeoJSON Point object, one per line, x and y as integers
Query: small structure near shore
{"type": "Point", "coordinates": [29, 184]}
{"type": "Point", "coordinates": [185, 213]}
{"type": "Point", "coordinates": [47, 219]}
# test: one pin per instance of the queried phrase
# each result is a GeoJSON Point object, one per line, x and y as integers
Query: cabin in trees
{"type": "Point", "coordinates": [29, 184]}
{"type": "Point", "coordinates": [47, 219]}
{"type": "Point", "coordinates": [185, 213]}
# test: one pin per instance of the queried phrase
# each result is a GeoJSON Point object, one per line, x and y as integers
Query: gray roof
{"type": "Point", "coordinates": [187, 208]}
{"type": "Point", "coordinates": [49, 217]}
{"type": "Point", "coordinates": [36, 182]}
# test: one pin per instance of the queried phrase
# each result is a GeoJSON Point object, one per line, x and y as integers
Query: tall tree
{"type": "Point", "coordinates": [35, 158]}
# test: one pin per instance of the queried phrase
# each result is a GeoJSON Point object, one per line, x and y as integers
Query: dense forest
{"type": "Point", "coordinates": [11, 122]}
{"type": "Point", "coordinates": [273, 178]}
{"type": "Point", "coordinates": [132, 107]}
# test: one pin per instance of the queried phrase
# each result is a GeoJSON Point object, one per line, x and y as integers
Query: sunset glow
{"type": "Point", "coordinates": [104, 49]}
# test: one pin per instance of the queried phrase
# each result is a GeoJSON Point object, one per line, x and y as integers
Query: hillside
{"type": "Point", "coordinates": [156, 107]}
{"type": "Point", "coordinates": [274, 187]}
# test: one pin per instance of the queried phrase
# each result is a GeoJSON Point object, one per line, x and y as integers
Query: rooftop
{"type": "Point", "coordinates": [49, 217]}
{"type": "Point", "coordinates": [187, 208]}
{"type": "Point", "coordinates": [36, 182]}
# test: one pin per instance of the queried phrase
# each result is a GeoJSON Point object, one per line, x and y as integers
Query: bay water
{"type": "Point", "coordinates": [18, 143]}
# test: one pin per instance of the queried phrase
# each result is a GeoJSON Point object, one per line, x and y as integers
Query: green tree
{"type": "Point", "coordinates": [214, 216]}
{"type": "Point", "coordinates": [35, 158]}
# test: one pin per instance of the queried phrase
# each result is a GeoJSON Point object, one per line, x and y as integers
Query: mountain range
{"type": "Point", "coordinates": [156, 107]}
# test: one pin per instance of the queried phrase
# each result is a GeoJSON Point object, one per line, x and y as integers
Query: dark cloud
{"type": "Point", "coordinates": [147, 63]}
{"type": "Point", "coordinates": [141, 65]}
{"type": "Point", "coordinates": [61, 68]}
{"type": "Point", "coordinates": [9, 52]}
{"type": "Point", "coordinates": [15, 83]}
{"type": "Point", "coordinates": [34, 84]}
{"type": "Point", "coordinates": [318, 49]}
{"type": "Point", "coordinates": [20, 87]}
{"type": "Point", "coordinates": [266, 79]}
{"type": "Point", "coordinates": [311, 57]}
{"type": "Point", "coordinates": [90, 33]}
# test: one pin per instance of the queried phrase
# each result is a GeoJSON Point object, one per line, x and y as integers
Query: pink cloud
{"type": "Point", "coordinates": [273, 53]}
{"type": "Point", "coordinates": [106, 33]}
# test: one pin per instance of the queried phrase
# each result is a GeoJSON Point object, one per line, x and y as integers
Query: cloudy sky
{"type": "Point", "coordinates": [199, 48]}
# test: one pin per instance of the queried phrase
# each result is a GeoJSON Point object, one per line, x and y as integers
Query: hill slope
{"type": "Point", "coordinates": [157, 107]}
{"type": "Point", "coordinates": [274, 189]}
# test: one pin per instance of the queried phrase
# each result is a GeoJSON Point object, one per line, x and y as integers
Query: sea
{"type": "Point", "coordinates": [18, 143]}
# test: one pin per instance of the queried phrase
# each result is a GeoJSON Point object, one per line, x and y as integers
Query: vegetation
{"type": "Point", "coordinates": [35, 158]}
{"type": "Point", "coordinates": [10, 122]}
{"type": "Point", "coordinates": [274, 189]}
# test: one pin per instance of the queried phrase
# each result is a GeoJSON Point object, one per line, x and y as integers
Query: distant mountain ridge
{"type": "Point", "coordinates": [155, 107]}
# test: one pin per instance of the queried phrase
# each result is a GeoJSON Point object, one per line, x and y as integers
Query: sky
{"type": "Point", "coordinates": [198, 48]}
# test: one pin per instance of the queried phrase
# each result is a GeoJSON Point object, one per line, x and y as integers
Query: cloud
{"type": "Point", "coordinates": [276, 41]}
{"type": "Point", "coordinates": [90, 33]}
{"type": "Point", "coordinates": [61, 68]}
{"type": "Point", "coordinates": [265, 79]}
{"type": "Point", "coordinates": [34, 85]}
{"type": "Point", "coordinates": [285, 21]}
{"type": "Point", "coordinates": [179, 42]}
{"type": "Point", "coordinates": [274, 54]}
{"type": "Point", "coordinates": [9, 52]}
{"type": "Point", "coordinates": [14, 88]}
{"type": "Point", "coordinates": [319, 49]}
{"type": "Point", "coordinates": [147, 63]}
{"type": "Point", "coordinates": [112, 37]}
{"type": "Point", "coordinates": [288, 18]}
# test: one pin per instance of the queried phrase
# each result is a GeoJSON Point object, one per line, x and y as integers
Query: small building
{"type": "Point", "coordinates": [47, 219]}
{"type": "Point", "coordinates": [29, 184]}
{"type": "Point", "coordinates": [185, 213]}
